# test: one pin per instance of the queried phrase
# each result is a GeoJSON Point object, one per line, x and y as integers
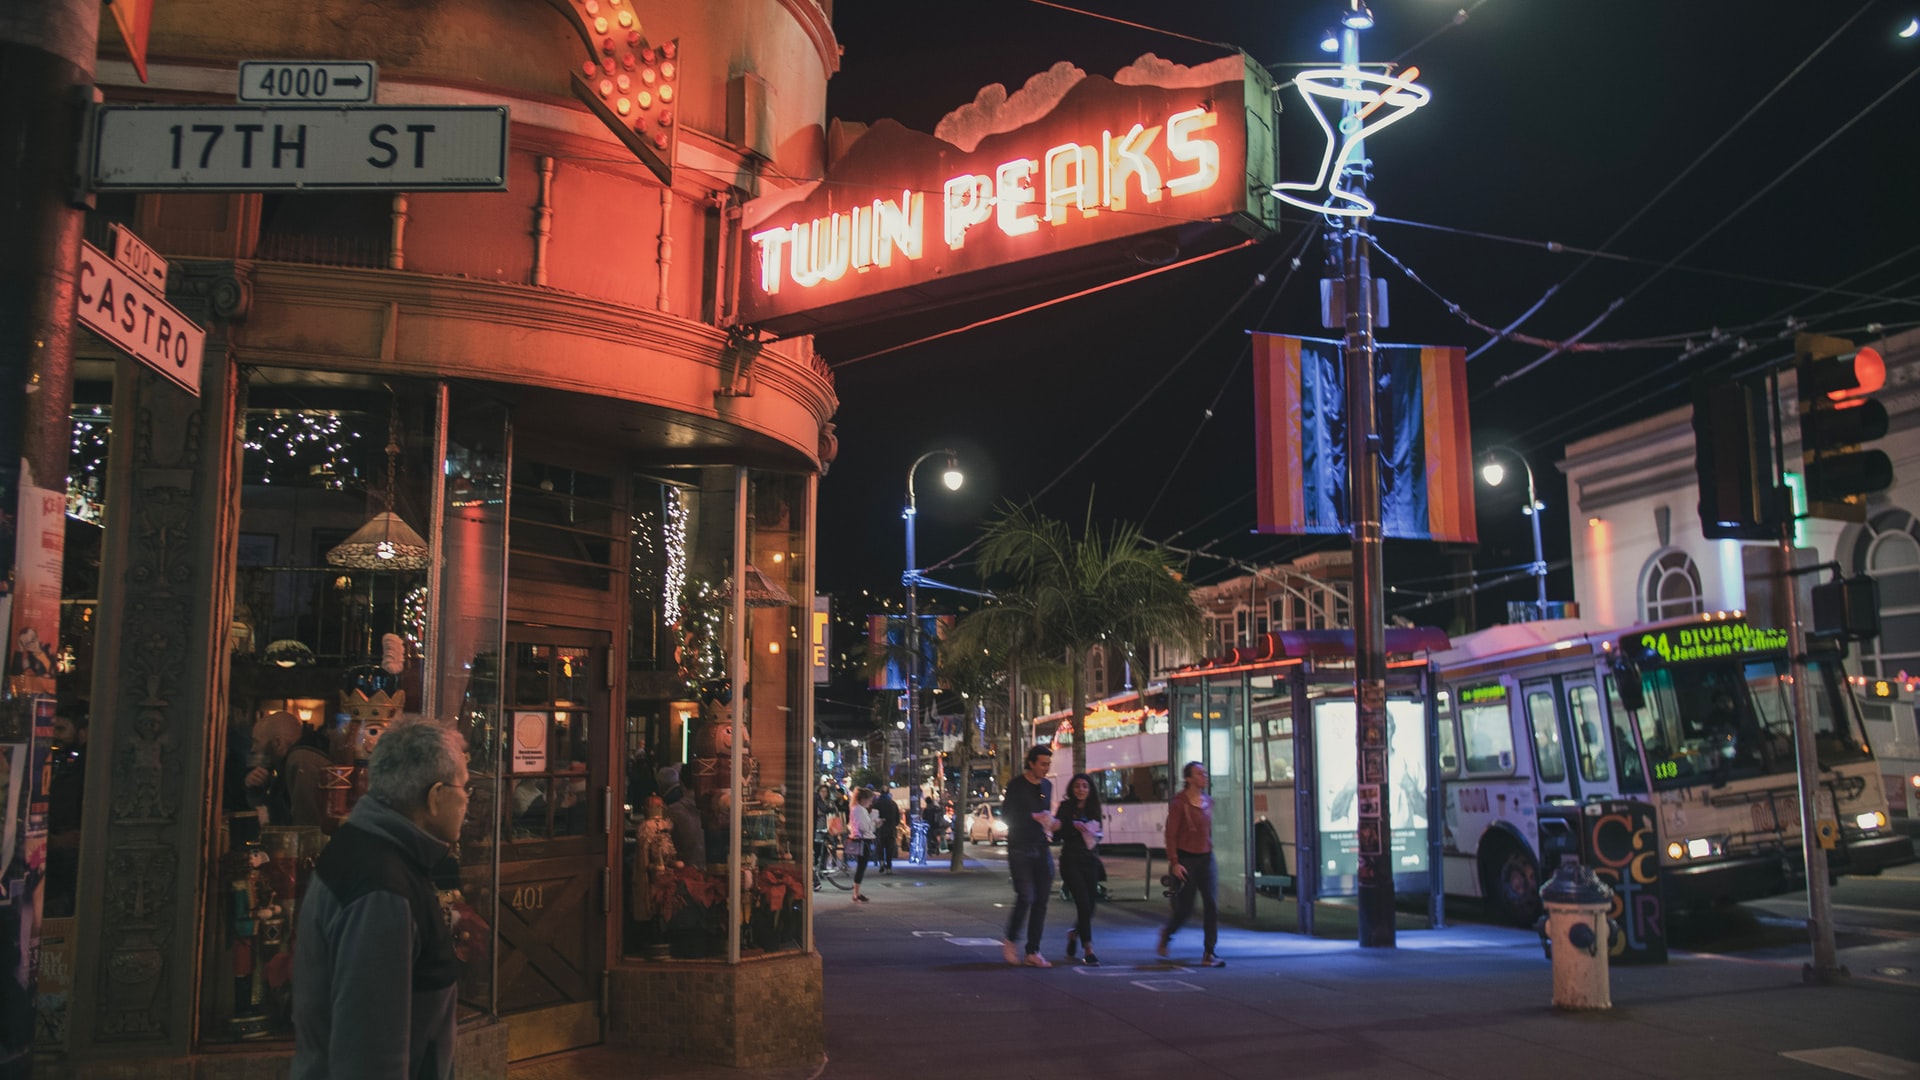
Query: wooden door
{"type": "Point", "coordinates": [554, 839]}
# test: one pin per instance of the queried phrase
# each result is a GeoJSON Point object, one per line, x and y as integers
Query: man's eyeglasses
{"type": "Point", "coordinates": [466, 789]}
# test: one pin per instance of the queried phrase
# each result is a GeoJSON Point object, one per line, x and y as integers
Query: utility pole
{"type": "Point", "coordinates": [47, 53]}
{"type": "Point", "coordinates": [1375, 832]}
{"type": "Point", "coordinates": [1824, 967]}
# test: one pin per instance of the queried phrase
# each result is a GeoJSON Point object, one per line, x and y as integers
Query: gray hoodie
{"type": "Point", "coordinates": [374, 973]}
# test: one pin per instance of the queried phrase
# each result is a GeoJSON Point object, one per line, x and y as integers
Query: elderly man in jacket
{"type": "Point", "coordinates": [374, 967]}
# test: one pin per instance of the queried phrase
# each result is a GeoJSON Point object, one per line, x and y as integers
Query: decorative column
{"type": "Point", "coordinates": [160, 693]}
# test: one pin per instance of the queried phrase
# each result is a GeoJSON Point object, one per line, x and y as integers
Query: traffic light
{"type": "Point", "coordinates": [1733, 458]}
{"type": "Point", "coordinates": [1837, 415]}
{"type": "Point", "coordinates": [1847, 609]}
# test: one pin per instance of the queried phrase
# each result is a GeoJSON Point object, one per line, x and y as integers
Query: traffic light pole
{"type": "Point", "coordinates": [1824, 968]}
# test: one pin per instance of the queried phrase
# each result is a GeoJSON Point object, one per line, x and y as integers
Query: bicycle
{"type": "Point", "coordinates": [827, 869]}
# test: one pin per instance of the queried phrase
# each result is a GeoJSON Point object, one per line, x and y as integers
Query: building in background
{"type": "Point", "coordinates": [1638, 551]}
{"type": "Point", "coordinates": [487, 458]}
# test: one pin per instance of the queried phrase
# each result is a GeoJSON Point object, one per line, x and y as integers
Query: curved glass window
{"type": "Point", "coordinates": [1670, 586]}
{"type": "Point", "coordinates": [1888, 548]}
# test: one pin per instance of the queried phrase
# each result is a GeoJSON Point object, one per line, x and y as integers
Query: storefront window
{"type": "Point", "coordinates": [326, 649]}
{"type": "Point", "coordinates": [684, 719]}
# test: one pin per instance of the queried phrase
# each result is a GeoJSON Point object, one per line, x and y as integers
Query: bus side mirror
{"type": "Point", "coordinates": [1633, 694]}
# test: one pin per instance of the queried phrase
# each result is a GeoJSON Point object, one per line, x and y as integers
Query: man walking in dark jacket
{"type": "Point", "coordinates": [374, 970]}
{"type": "Point", "coordinates": [1030, 828]}
{"type": "Point", "coordinates": [888, 813]}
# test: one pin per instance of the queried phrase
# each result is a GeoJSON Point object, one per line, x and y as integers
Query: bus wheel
{"type": "Point", "coordinates": [1513, 885]}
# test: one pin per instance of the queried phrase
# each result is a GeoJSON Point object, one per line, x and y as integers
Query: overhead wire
{"type": "Point", "coordinates": [1674, 182]}
{"type": "Point", "coordinates": [1206, 415]}
{"type": "Point", "coordinates": [1723, 222]}
{"type": "Point", "coordinates": [1172, 369]}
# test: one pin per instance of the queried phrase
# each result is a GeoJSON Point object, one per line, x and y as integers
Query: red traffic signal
{"type": "Point", "coordinates": [1838, 415]}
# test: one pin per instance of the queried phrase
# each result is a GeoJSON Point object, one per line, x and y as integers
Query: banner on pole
{"type": "Point", "coordinates": [1300, 439]}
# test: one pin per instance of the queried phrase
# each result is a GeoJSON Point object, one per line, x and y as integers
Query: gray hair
{"type": "Point", "coordinates": [410, 758]}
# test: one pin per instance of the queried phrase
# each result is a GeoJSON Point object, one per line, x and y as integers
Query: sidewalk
{"type": "Point", "coordinates": [916, 988]}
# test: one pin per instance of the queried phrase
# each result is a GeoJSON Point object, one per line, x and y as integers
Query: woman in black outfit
{"type": "Point", "coordinates": [1080, 868]}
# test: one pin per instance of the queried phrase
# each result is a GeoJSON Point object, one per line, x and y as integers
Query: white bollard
{"type": "Point", "coordinates": [1576, 930]}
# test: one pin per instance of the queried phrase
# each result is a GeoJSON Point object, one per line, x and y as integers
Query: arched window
{"type": "Point", "coordinates": [1888, 547]}
{"type": "Point", "coordinates": [1670, 586]}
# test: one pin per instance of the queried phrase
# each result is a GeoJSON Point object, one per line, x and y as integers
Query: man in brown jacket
{"type": "Point", "coordinates": [1190, 852]}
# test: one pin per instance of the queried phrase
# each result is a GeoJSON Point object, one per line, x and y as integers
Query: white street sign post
{"type": "Point", "coordinates": [307, 82]}
{"type": "Point", "coordinates": [132, 253]}
{"type": "Point", "coordinates": [299, 147]}
{"type": "Point", "coordinates": [120, 307]}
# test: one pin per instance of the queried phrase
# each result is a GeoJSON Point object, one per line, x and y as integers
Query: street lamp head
{"type": "Point", "coordinates": [1329, 41]}
{"type": "Point", "coordinates": [952, 477]}
{"type": "Point", "coordinates": [1357, 16]}
{"type": "Point", "coordinates": [1493, 472]}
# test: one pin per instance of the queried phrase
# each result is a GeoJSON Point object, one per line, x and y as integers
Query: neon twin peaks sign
{"type": "Point", "coordinates": [1068, 183]}
{"type": "Point", "coordinates": [1072, 178]}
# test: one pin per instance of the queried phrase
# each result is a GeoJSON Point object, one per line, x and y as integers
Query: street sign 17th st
{"type": "Point", "coordinates": [245, 148]}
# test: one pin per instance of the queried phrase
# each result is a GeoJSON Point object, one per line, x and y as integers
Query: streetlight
{"type": "Point", "coordinates": [952, 478]}
{"type": "Point", "coordinates": [1493, 472]}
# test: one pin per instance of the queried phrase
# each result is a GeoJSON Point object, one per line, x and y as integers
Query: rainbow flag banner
{"type": "Point", "coordinates": [1300, 439]}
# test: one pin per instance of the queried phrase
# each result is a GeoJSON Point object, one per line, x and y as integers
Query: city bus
{"type": "Point", "coordinates": [1534, 722]}
{"type": "Point", "coordinates": [1887, 714]}
{"type": "Point", "coordinates": [1692, 715]}
{"type": "Point", "coordinates": [1123, 747]}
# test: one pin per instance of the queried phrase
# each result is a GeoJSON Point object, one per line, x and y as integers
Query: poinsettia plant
{"type": "Point", "coordinates": [777, 885]}
{"type": "Point", "coordinates": [675, 889]}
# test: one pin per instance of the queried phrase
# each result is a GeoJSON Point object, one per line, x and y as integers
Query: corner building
{"type": "Point", "coordinates": [493, 459]}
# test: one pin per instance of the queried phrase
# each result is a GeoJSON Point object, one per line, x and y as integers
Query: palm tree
{"type": "Point", "coordinates": [1056, 596]}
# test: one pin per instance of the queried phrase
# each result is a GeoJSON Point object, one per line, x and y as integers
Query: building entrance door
{"type": "Point", "coordinates": [554, 839]}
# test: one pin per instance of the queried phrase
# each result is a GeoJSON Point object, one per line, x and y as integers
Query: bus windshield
{"type": "Point", "coordinates": [1711, 722]}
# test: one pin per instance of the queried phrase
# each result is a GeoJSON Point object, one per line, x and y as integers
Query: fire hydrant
{"type": "Point", "coordinates": [1576, 931]}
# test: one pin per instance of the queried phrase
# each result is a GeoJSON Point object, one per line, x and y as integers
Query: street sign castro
{"type": "Point", "coordinates": [114, 303]}
{"type": "Point", "coordinates": [302, 147]}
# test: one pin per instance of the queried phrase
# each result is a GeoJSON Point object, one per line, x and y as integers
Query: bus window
{"type": "Point", "coordinates": [1547, 751]}
{"type": "Point", "coordinates": [1259, 760]}
{"type": "Point", "coordinates": [1632, 777]}
{"type": "Point", "coordinates": [1767, 688]}
{"type": "Point", "coordinates": [1583, 708]}
{"type": "Point", "coordinates": [1280, 760]}
{"type": "Point", "coordinates": [1836, 738]}
{"type": "Point", "coordinates": [1710, 722]}
{"type": "Point", "coordinates": [1486, 729]}
{"type": "Point", "coordinates": [1449, 748]}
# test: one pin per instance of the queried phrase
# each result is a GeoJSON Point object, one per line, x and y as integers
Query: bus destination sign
{"type": "Point", "coordinates": [1706, 642]}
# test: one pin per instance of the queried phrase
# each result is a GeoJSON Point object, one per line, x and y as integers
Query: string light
{"type": "Point", "coordinates": [284, 437]}
{"type": "Point", "coordinates": [87, 464]}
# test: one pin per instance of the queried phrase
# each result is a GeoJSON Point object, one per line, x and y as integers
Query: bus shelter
{"type": "Point", "coordinates": [1274, 723]}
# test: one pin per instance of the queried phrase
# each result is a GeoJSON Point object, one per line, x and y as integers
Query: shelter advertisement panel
{"type": "Point", "coordinates": [1342, 788]}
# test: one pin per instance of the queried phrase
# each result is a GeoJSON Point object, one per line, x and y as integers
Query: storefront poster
{"type": "Point", "coordinates": [529, 742]}
{"type": "Point", "coordinates": [34, 638]}
{"type": "Point", "coordinates": [13, 793]}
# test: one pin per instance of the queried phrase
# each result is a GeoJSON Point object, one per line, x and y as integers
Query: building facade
{"type": "Point", "coordinates": [491, 459]}
{"type": "Point", "coordinates": [1639, 554]}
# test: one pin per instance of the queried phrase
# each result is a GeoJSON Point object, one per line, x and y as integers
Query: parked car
{"type": "Point", "coordinates": [987, 823]}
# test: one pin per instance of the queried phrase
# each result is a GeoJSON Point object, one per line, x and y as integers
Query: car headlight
{"type": "Point", "coordinates": [1872, 819]}
{"type": "Point", "coordinates": [1698, 848]}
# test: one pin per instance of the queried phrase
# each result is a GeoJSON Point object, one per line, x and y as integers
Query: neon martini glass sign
{"type": "Point", "coordinates": [1383, 100]}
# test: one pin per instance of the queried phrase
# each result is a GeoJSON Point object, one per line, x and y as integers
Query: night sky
{"type": "Point", "coordinates": [1561, 121]}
